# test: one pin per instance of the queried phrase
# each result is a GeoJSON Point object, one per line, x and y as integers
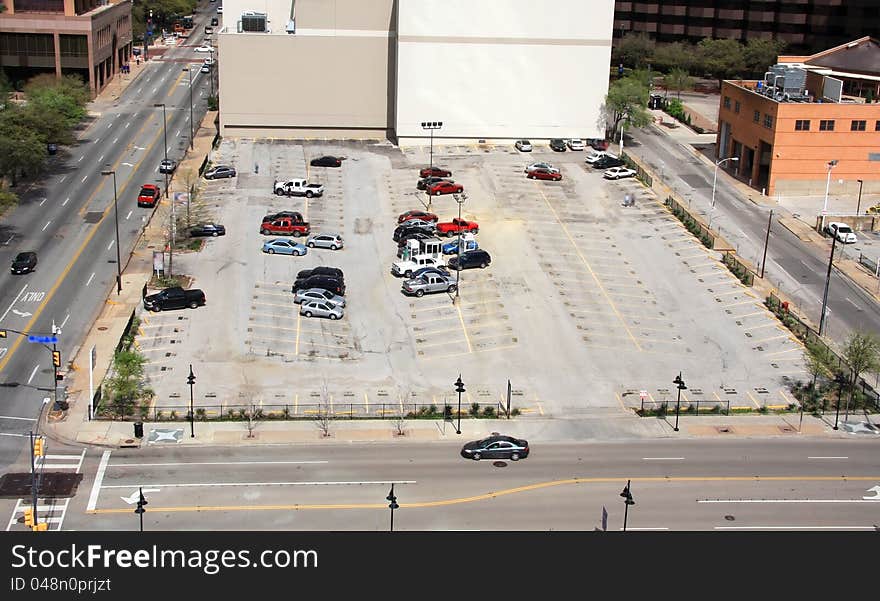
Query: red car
{"type": "Point", "coordinates": [285, 227]}
{"type": "Point", "coordinates": [149, 195]}
{"type": "Point", "coordinates": [451, 228]}
{"type": "Point", "coordinates": [544, 174]}
{"type": "Point", "coordinates": [444, 188]}
{"type": "Point", "coordinates": [434, 172]}
{"type": "Point", "coordinates": [420, 215]}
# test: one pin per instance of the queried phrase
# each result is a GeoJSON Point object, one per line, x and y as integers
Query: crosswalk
{"type": "Point", "coordinates": [50, 511]}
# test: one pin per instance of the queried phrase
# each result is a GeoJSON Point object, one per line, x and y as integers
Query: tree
{"type": "Point", "coordinates": [5, 87]}
{"type": "Point", "coordinates": [49, 125]}
{"type": "Point", "coordinates": [126, 382]}
{"type": "Point", "coordinates": [678, 80]}
{"type": "Point", "coordinates": [67, 96]}
{"type": "Point", "coordinates": [677, 55]}
{"type": "Point", "coordinates": [721, 58]}
{"type": "Point", "coordinates": [21, 150]}
{"type": "Point", "coordinates": [862, 353]}
{"type": "Point", "coordinates": [7, 198]}
{"type": "Point", "coordinates": [759, 54]}
{"type": "Point", "coordinates": [627, 100]}
{"type": "Point", "coordinates": [634, 50]}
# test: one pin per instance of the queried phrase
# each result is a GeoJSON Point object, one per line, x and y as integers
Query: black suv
{"type": "Point", "coordinates": [325, 282]}
{"type": "Point", "coordinates": [471, 258]}
{"type": "Point", "coordinates": [558, 145]}
{"type": "Point", "coordinates": [607, 162]}
{"type": "Point", "coordinates": [333, 272]}
{"type": "Point", "coordinates": [425, 182]}
{"type": "Point", "coordinates": [24, 262]}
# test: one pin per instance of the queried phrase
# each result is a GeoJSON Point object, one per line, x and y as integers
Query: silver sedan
{"type": "Point", "coordinates": [316, 308]}
{"type": "Point", "coordinates": [331, 241]}
{"type": "Point", "coordinates": [318, 294]}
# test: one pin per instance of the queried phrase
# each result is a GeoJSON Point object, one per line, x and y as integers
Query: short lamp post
{"type": "Point", "coordinates": [116, 218]}
{"type": "Point", "coordinates": [165, 137]}
{"type": "Point", "coordinates": [715, 178]}
{"type": "Point", "coordinates": [627, 501]}
{"type": "Point", "coordinates": [392, 505]}
{"type": "Point", "coordinates": [681, 386]}
{"type": "Point", "coordinates": [460, 198]}
{"type": "Point", "coordinates": [431, 126]}
{"type": "Point", "coordinates": [191, 380]}
{"type": "Point", "coordinates": [459, 388]}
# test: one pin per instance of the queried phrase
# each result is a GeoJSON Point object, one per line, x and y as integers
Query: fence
{"type": "Point", "coordinates": [663, 408]}
{"type": "Point", "coordinates": [641, 174]}
{"type": "Point", "coordinates": [872, 265]}
{"type": "Point", "coordinates": [706, 235]}
{"type": "Point", "coordinates": [738, 268]}
{"type": "Point", "coordinates": [240, 412]}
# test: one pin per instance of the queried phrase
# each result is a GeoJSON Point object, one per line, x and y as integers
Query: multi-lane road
{"type": "Point", "coordinates": [68, 218]}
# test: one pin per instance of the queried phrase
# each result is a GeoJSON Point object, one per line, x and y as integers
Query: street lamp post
{"type": "Point", "coordinates": [627, 501]}
{"type": "Point", "coordinates": [189, 76]}
{"type": "Point", "coordinates": [839, 379]}
{"type": "Point", "coordinates": [191, 380]}
{"type": "Point", "coordinates": [681, 386]}
{"type": "Point", "coordinates": [459, 388]}
{"type": "Point", "coordinates": [827, 283]}
{"type": "Point", "coordinates": [431, 126]}
{"type": "Point", "coordinates": [392, 504]}
{"type": "Point", "coordinates": [859, 205]}
{"type": "Point", "coordinates": [116, 218]}
{"type": "Point", "coordinates": [459, 198]}
{"type": "Point", "coordinates": [140, 506]}
{"type": "Point", "coordinates": [715, 178]}
{"type": "Point", "coordinates": [831, 165]}
{"type": "Point", "coordinates": [165, 136]}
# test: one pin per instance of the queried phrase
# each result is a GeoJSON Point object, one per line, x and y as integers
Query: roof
{"type": "Point", "coordinates": [859, 56]}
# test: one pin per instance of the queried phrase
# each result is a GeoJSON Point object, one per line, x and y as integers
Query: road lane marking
{"type": "Point", "coordinates": [129, 214]}
{"type": "Point", "coordinates": [33, 373]}
{"type": "Point", "coordinates": [91, 277]}
{"type": "Point", "coordinates": [99, 478]}
{"type": "Point", "coordinates": [42, 202]}
{"type": "Point", "coordinates": [115, 140]}
{"type": "Point", "coordinates": [829, 457]}
{"type": "Point", "coordinates": [83, 180]}
{"type": "Point", "coordinates": [663, 458]}
{"type": "Point", "coordinates": [127, 124]}
{"type": "Point", "coordinates": [101, 158]}
{"type": "Point", "coordinates": [66, 200]}
{"type": "Point", "coordinates": [98, 140]}
{"type": "Point", "coordinates": [65, 321]}
{"type": "Point", "coordinates": [18, 435]}
{"type": "Point", "coordinates": [80, 158]}
{"type": "Point", "coordinates": [178, 133]}
{"type": "Point", "coordinates": [24, 419]}
{"type": "Point", "coordinates": [2, 317]}
{"type": "Point", "coordinates": [8, 241]}
{"type": "Point", "coordinates": [732, 501]}
{"type": "Point", "coordinates": [47, 225]}
{"type": "Point", "coordinates": [222, 484]}
{"type": "Point", "coordinates": [109, 125]}
{"type": "Point", "coordinates": [63, 177]}
{"type": "Point", "coordinates": [112, 242]}
{"type": "Point", "coordinates": [646, 528]}
{"type": "Point", "coordinates": [217, 463]}
{"type": "Point", "coordinates": [795, 527]}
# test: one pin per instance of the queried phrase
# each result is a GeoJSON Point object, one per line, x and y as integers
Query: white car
{"type": "Point", "coordinates": [209, 60]}
{"type": "Point", "coordinates": [205, 48]}
{"type": "Point", "coordinates": [576, 144]}
{"type": "Point", "coordinates": [220, 10]}
{"type": "Point", "coordinates": [546, 166]}
{"type": "Point", "coordinates": [595, 155]}
{"type": "Point", "coordinates": [618, 173]}
{"type": "Point", "coordinates": [523, 145]}
{"type": "Point", "coordinates": [406, 268]}
{"type": "Point", "coordinates": [842, 232]}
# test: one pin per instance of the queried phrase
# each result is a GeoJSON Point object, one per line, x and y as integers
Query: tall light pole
{"type": "Point", "coordinates": [116, 218]}
{"type": "Point", "coordinates": [165, 136]}
{"type": "Point", "coordinates": [189, 76]}
{"type": "Point", "coordinates": [459, 198]}
{"type": "Point", "coordinates": [715, 178]}
{"type": "Point", "coordinates": [459, 388]}
{"type": "Point", "coordinates": [191, 380]}
{"type": "Point", "coordinates": [831, 165]}
{"type": "Point", "coordinates": [859, 205]}
{"type": "Point", "coordinates": [432, 125]}
{"type": "Point", "coordinates": [680, 384]}
{"type": "Point", "coordinates": [827, 283]}
{"type": "Point", "coordinates": [627, 500]}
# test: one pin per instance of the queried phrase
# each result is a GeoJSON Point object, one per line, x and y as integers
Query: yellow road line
{"type": "Point", "coordinates": [176, 82]}
{"type": "Point", "coordinates": [464, 329]}
{"type": "Point", "coordinates": [589, 268]}
{"type": "Point", "coordinates": [619, 400]}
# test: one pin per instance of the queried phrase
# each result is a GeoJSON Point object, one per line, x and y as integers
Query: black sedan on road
{"type": "Point", "coordinates": [207, 229]}
{"type": "Point", "coordinates": [496, 446]}
{"type": "Point", "coordinates": [326, 161]}
{"type": "Point", "coordinates": [24, 262]}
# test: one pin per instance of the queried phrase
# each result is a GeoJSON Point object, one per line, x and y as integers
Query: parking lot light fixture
{"type": "Point", "coordinates": [831, 164]}
{"type": "Point", "coordinates": [459, 198]}
{"type": "Point", "coordinates": [165, 136]}
{"type": "Point", "coordinates": [681, 386]}
{"type": "Point", "coordinates": [431, 126]}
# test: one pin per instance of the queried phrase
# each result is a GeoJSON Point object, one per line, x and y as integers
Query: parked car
{"type": "Point", "coordinates": [557, 144]}
{"type": "Point", "coordinates": [434, 172]}
{"type": "Point", "coordinates": [174, 298]}
{"type": "Point", "coordinates": [544, 174]}
{"type": "Point", "coordinates": [167, 166]}
{"type": "Point", "coordinates": [441, 269]}
{"type": "Point", "coordinates": [496, 447]}
{"type": "Point", "coordinates": [607, 162]}
{"type": "Point", "coordinates": [470, 259]}
{"type": "Point", "coordinates": [425, 227]}
{"type": "Point", "coordinates": [148, 196]}
{"type": "Point", "coordinates": [285, 227]}
{"type": "Point", "coordinates": [297, 187]}
{"type": "Point", "coordinates": [333, 272]}
{"type": "Point", "coordinates": [451, 228]}
{"type": "Point", "coordinates": [294, 216]}
{"type": "Point", "coordinates": [594, 155]}
{"type": "Point", "coordinates": [618, 173]}
{"type": "Point", "coordinates": [209, 60]}
{"type": "Point", "coordinates": [444, 188]}
{"type": "Point", "coordinates": [428, 226]}
{"type": "Point", "coordinates": [209, 29]}
{"type": "Point", "coordinates": [597, 143]}
{"type": "Point", "coordinates": [215, 21]}
{"type": "Point", "coordinates": [318, 294]}
{"type": "Point", "coordinates": [219, 171]}
{"type": "Point", "coordinates": [576, 144]}
{"type": "Point", "coordinates": [327, 161]}
{"type": "Point", "coordinates": [407, 268]}
{"type": "Point", "coordinates": [416, 214]}
{"type": "Point", "coordinates": [282, 246]}
{"type": "Point", "coordinates": [325, 282]}
{"type": "Point", "coordinates": [534, 166]}
{"type": "Point", "coordinates": [428, 283]}
{"type": "Point", "coordinates": [842, 232]}
{"type": "Point", "coordinates": [426, 182]}
{"type": "Point", "coordinates": [205, 48]}
{"type": "Point", "coordinates": [331, 241]}
{"type": "Point", "coordinates": [413, 234]}
{"type": "Point", "coordinates": [316, 308]}
{"type": "Point", "coordinates": [207, 229]}
{"type": "Point", "coordinates": [205, 68]}
{"type": "Point", "coordinates": [24, 262]}
{"type": "Point", "coordinates": [523, 145]}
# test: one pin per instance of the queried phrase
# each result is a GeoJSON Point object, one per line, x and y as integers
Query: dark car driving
{"type": "Point", "coordinates": [326, 161]}
{"type": "Point", "coordinates": [207, 229]}
{"type": "Point", "coordinates": [496, 446]}
{"type": "Point", "coordinates": [469, 259]}
{"type": "Point", "coordinates": [24, 262]}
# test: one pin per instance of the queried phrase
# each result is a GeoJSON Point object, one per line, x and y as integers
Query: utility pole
{"type": "Point", "coordinates": [827, 282]}
{"type": "Point", "coordinates": [766, 242]}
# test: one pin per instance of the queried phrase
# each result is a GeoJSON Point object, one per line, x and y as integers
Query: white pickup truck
{"type": "Point", "coordinates": [298, 187]}
{"type": "Point", "coordinates": [406, 268]}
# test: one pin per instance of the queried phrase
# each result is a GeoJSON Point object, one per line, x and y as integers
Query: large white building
{"type": "Point", "coordinates": [494, 70]}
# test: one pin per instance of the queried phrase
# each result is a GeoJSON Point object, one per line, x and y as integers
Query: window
{"type": "Point", "coordinates": [826, 125]}
{"type": "Point", "coordinates": [877, 125]}
{"type": "Point", "coordinates": [857, 125]}
{"type": "Point", "coordinates": [768, 121]}
{"type": "Point", "coordinates": [757, 117]}
{"type": "Point", "coordinates": [802, 125]}
{"type": "Point", "coordinates": [736, 106]}
{"type": "Point", "coordinates": [727, 102]}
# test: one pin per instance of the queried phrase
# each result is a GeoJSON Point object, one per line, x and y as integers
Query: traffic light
{"type": "Point", "coordinates": [29, 517]}
{"type": "Point", "coordinates": [56, 358]}
{"type": "Point", "coordinates": [39, 448]}
{"type": "Point", "coordinates": [42, 526]}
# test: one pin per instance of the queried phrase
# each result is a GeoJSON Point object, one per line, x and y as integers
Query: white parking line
{"type": "Point", "coordinates": [127, 124]}
{"type": "Point", "coordinates": [66, 200]}
{"type": "Point", "coordinates": [42, 202]}
{"type": "Point", "coordinates": [115, 140]}
{"type": "Point", "coordinates": [101, 158]}
{"type": "Point", "coordinates": [63, 177]}
{"type": "Point", "coordinates": [83, 180]}
{"type": "Point", "coordinates": [129, 214]}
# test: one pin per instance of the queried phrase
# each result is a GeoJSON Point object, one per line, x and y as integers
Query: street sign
{"type": "Point", "coordinates": [643, 394]}
{"type": "Point", "coordinates": [43, 339]}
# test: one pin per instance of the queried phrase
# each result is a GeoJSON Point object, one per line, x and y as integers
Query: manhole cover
{"type": "Point", "coordinates": [729, 518]}
{"type": "Point", "coordinates": [723, 429]}
{"type": "Point", "coordinates": [102, 328]}
{"type": "Point", "coordinates": [499, 463]}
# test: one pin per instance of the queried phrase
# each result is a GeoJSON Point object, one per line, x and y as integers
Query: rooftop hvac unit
{"type": "Point", "coordinates": [253, 22]}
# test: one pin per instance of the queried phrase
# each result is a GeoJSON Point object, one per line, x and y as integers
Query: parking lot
{"type": "Point", "coordinates": [587, 306]}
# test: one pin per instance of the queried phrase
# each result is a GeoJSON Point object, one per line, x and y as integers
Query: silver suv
{"type": "Point", "coordinates": [429, 282]}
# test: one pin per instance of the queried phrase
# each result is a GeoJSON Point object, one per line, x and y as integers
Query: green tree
{"type": "Point", "coordinates": [67, 96]}
{"type": "Point", "coordinates": [759, 54]}
{"type": "Point", "coordinates": [678, 80]}
{"type": "Point", "coordinates": [7, 199]}
{"type": "Point", "coordinates": [677, 55]}
{"type": "Point", "coordinates": [627, 100]}
{"type": "Point", "coordinates": [5, 88]}
{"type": "Point", "coordinates": [634, 50]}
{"type": "Point", "coordinates": [126, 384]}
{"type": "Point", "coordinates": [721, 58]}
{"type": "Point", "coordinates": [862, 353]}
{"type": "Point", "coordinates": [48, 124]}
{"type": "Point", "coordinates": [21, 150]}
{"type": "Point", "coordinates": [816, 361]}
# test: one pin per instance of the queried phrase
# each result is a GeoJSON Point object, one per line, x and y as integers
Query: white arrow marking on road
{"type": "Point", "coordinates": [876, 491]}
{"type": "Point", "coordinates": [135, 496]}
{"type": "Point", "coordinates": [128, 164]}
{"type": "Point", "coordinates": [22, 313]}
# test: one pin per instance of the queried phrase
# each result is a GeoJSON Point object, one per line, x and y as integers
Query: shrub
{"type": "Point", "coordinates": [514, 412]}
{"type": "Point", "coordinates": [201, 414]}
{"type": "Point", "coordinates": [160, 415]}
{"type": "Point", "coordinates": [475, 409]}
{"type": "Point", "coordinates": [489, 411]}
{"type": "Point", "coordinates": [173, 415]}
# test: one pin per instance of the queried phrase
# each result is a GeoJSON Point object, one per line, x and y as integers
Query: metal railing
{"type": "Point", "coordinates": [662, 408]}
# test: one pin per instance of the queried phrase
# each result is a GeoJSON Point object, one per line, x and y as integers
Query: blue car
{"type": "Point", "coordinates": [282, 246]}
{"type": "Point", "coordinates": [451, 248]}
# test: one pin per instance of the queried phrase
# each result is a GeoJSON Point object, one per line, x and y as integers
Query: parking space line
{"type": "Point", "coordinates": [464, 328]}
{"type": "Point", "coordinates": [421, 345]}
{"type": "Point", "coordinates": [433, 332]}
{"type": "Point", "coordinates": [449, 318]}
{"type": "Point", "coordinates": [717, 294]}
{"type": "Point", "coordinates": [483, 350]}
{"type": "Point", "coordinates": [771, 338]}
{"type": "Point", "coordinates": [737, 304]}
{"type": "Point", "coordinates": [749, 392]}
{"type": "Point", "coordinates": [287, 306]}
{"type": "Point", "coordinates": [273, 315]}
{"type": "Point", "coordinates": [765, 325]}
{"type": "Point", "coordinates": [156, 349]}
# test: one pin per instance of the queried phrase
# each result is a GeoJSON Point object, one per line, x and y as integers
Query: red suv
{"type": "Point", "coordinates": [149, 196]}
{"type": "Point", "coordinates": [444, 188]}
{"type": "Point", "coordinates": [434, 172]}
{"type": "Point", "coordinates": [450, 228]}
